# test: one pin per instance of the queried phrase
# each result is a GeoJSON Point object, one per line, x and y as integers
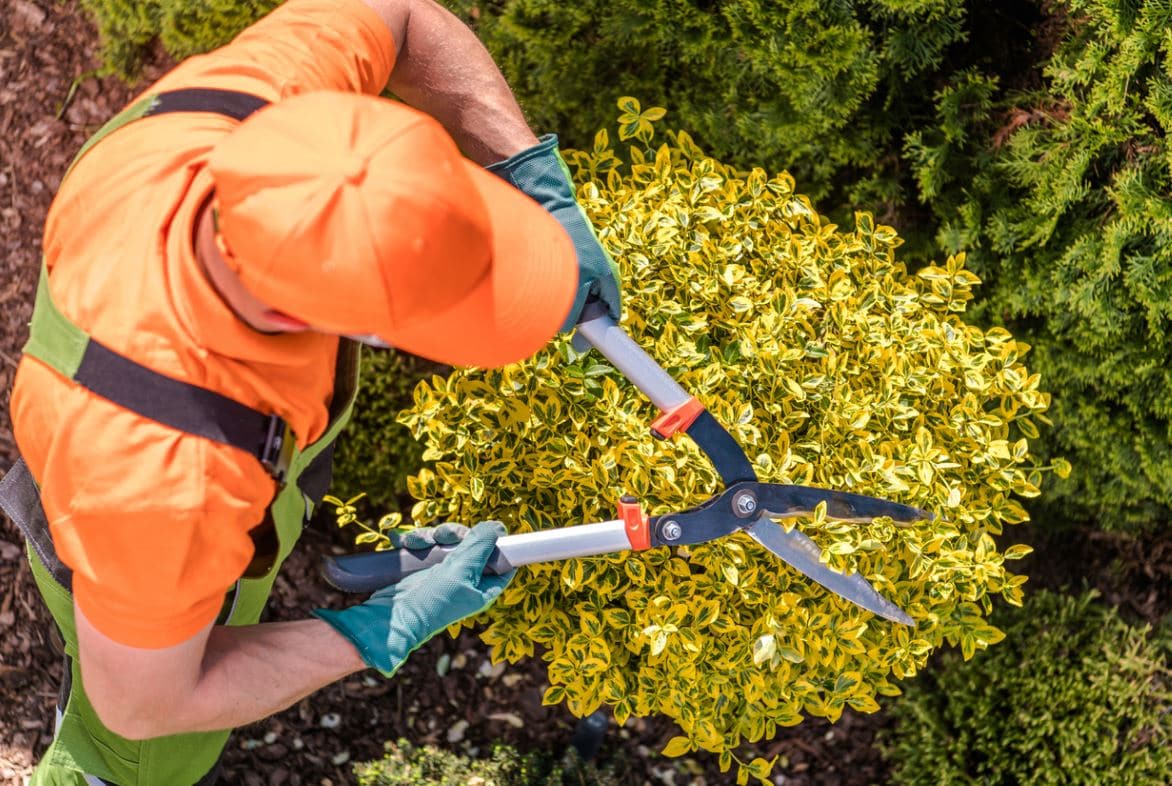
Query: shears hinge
{"type": "Point", "coordinates": [677, 419]}
{"type": "Point", "coordinates": [635, 521]}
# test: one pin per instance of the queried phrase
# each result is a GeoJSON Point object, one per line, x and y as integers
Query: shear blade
{"type": "Point", "coordinates": [802, 554]}
{"type": "Point", "coordinates": [790, 501]}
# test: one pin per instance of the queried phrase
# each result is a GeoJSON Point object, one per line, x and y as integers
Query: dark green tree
{"type": "Point", "coordinates": [1066, 213]}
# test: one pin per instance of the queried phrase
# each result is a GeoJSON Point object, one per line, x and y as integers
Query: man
{"type": "Point", "coordinates": [202, 258]}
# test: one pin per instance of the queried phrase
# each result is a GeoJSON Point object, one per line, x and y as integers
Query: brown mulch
{"type": "Point", "coordinates": [49, 103]}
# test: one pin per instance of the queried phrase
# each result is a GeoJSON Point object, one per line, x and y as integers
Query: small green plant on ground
{"type": "Point", "coordinates": [833, 366]}
{"type": "Point", "coordinates": [406, 764]}
{"type": "Point", "coordinates": [1075, 695]}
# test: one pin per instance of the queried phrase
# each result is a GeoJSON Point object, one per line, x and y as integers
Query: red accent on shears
{"type": "Point", "coordinates": [638, 530]}
{"type": "Point", "coordinates": [677, 418]}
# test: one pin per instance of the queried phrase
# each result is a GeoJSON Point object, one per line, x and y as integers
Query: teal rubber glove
{"type": "Point", "coordinates": [398, 619]}
{"type": "Point", "coordinates": [541, 173]}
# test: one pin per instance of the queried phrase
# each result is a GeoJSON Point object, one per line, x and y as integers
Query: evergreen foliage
{"type": "Point", "coordinates": [128, 27]}
{"type": "Point", "coordinates": [406, 764]}
{"type": "Point", "coordinates": [188, 28]}
{"type": "Point", "coordinates": [375, 454]}
{"type": "Point", "coordinates": [823, 90]}
{"type": "Point", "coordinates": [1065, 211]}
{"type": "Point", "coordinates": [1074, 695]}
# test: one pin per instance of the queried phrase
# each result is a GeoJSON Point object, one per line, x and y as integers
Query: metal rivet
{"type": "Point", "coordinates": [744, 503]}
{"type": "Point", "coordinates": [671, 530]}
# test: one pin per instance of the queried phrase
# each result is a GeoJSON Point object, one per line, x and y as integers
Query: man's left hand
{"type": "Point", "coordinates": [541, 173]}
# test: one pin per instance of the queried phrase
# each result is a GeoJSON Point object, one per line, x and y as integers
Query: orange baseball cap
{"type": "Point", "coordinates": [359, 215]}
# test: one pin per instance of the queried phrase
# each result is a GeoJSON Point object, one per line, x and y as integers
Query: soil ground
{"type": "Point", "coordinates": [50, 101]}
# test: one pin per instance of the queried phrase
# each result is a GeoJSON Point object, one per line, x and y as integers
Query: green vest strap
{"type": "Point", "coordinates": [231, 103]}
{"type": "Point", "coordinates": [180, 405]}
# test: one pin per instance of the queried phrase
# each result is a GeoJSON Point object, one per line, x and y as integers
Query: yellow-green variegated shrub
{"type": "Point", "coordinates": [833, 366]}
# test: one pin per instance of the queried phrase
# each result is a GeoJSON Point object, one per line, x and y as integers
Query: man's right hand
{"type": "Point", "coordinates": [398, 619]}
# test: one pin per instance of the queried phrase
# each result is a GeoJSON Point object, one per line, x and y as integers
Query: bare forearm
{"type": "Point", "coordinates": [444, 70]}
{"type": "Point", "coordinates": [252, 672]}
{"type": "Point", "coordinates": [247, 673]}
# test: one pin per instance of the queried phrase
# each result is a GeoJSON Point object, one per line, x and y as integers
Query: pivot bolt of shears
{"type": "Point", "coordinates": [671, 530]}
{"type": "Point", "coordinates": [744, 504]}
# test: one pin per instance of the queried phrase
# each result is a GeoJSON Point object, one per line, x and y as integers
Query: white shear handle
{"type": "Point", "coordinates": [635, 364]}
{"type": "Point", "coordinates": [374, 570]}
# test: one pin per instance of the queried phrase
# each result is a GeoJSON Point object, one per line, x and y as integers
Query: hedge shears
{"type": "Point", "coordinates": [745, 505]}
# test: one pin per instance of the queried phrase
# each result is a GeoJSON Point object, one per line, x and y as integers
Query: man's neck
{"type": "Point", "coordinates": [224, 281]}
{"type": "Point", "coordinates": [207, 254]}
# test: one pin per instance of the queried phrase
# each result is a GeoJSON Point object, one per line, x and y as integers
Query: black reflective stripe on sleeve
{"type": "Point", "coordinates": [180, 405]}
{"type": "Point", "coordinates": [231, 103]}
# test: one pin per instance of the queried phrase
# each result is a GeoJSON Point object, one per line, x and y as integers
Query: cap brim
{"type": "Point", "coordinates": [515, 310]}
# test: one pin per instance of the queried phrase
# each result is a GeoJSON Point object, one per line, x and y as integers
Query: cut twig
{"type": "Point", "coordinates": [8, 359]}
